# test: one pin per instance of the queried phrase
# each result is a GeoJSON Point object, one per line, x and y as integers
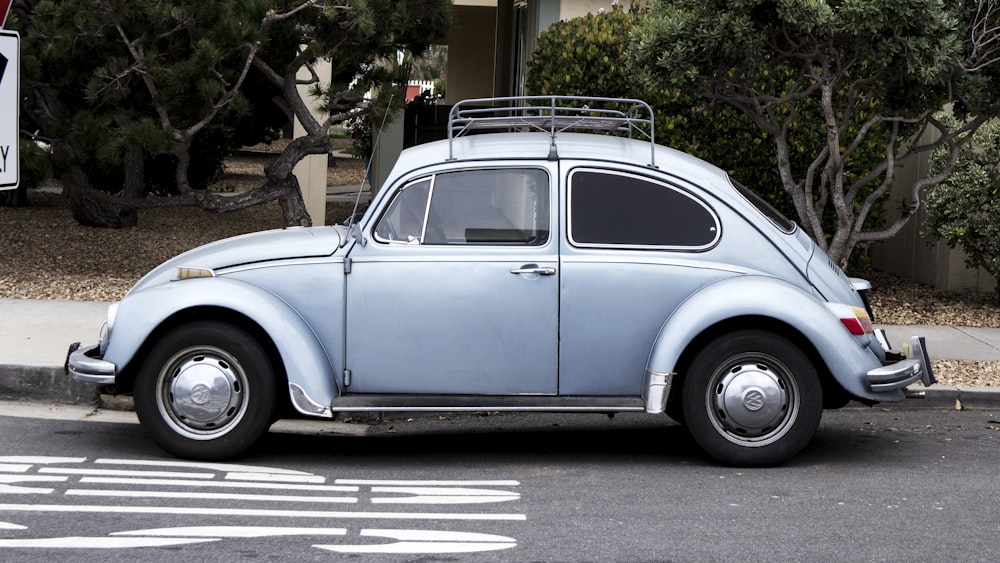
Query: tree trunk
{"type": "Point", "coordinates": [293, 207]}
{"type": "Point", "coordinates": [280, 174]}
{"type": "Point", "coordinates": [135, 173]}
{"type": "Point", "coordinates": [15, 198]}
{"type": "Point", "coordinates": [91, 210]}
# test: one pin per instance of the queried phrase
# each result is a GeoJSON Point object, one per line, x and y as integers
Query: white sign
{"type": "Point", "coordinates": [10, 63]}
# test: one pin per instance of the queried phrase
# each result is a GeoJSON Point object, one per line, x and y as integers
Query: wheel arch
{"type": "Point", "coordinates": [768, 304]}
{"type": "Point", "coordinates": [299, 357]}
{"type": "Point", "coordinates": [834, 394]}
{"type": "Point", "coordinates": [126, 377]}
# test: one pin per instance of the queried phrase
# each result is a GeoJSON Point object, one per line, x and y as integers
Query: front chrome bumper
{"type": "Point", "coordinates": [916, 367]}
{"type": "Point", "coordinates": [85, 364]}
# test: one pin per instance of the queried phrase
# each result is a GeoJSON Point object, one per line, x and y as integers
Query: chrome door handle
{"type": "Point", "coordinates": [533, 269]}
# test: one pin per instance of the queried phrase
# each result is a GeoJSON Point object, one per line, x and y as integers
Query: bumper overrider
{"type": "Point", "coordinates": [905, 369]}
{"type": "Point", "coordinates": [85, 364]}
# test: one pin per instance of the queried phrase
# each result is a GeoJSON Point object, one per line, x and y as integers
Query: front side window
{"type": "Point", "coordinates": [618, 209]}
{"type": "Point", "coordinates": [403, 220]}
{"type": "Point", "coordinates": [492, 207]}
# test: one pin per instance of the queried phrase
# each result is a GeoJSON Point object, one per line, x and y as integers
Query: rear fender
{"type": "Point", "coordinates": [307, 364]}
{"type": "Point", "coordinates": [847, 359]}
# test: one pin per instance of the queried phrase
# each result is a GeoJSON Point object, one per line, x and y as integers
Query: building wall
{"type": "Point", "coordinates": [909, 256]}
{"type": "Point", "coordinates": [575, 8]}
{"type": "Point", "coordinates": [472, 53]}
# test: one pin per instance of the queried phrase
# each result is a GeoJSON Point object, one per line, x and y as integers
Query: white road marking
{"type": "Point", "coordinates": [42, 459]}
{"type": "Point", "coordinates": [14, 468]}
{"type": "Point", "coordinates": [13, 490]}
{"type": "Point", "coordinates": [7, 487]}
{"type": "Point", "coordinates": [275, 478]}
{"type": "Point", "coordinates": [220, 484]}
{"type": "Point", "coordinates": [426, 541]}
{"type": "Point", "coordinates": [100, 542]}
{"type": "Point", "coordinates": [32, 479]}
{"type": "Point", "coordinates": [124, 473]}
{"type": "Point", "coordinates": [18, 473]}
{"type": "Point", "coordinates": [235, 532]}
{"type": "Point", "coordinates": [201, 495]}
{"type": "Point", "coordinates": [220, 467]}
{"type": "Point", "coordinates": [428, 483]}
{"type": "Point", "coordinates": [442, 495]}
{"type": "Point", "coordinates": [199, 511]}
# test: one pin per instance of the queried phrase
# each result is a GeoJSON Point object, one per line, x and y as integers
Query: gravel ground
{"type": "Point", "coordinates": [47, 255]}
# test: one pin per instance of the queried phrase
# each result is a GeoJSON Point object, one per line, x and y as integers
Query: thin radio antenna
{"type": "Point", "coordinates": [378, 136]}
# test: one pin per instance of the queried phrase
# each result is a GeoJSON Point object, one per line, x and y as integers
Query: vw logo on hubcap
{"type": "Point", "coordinates": [753, 399]}
{"type": "Point", "coordinates": [200, 394]}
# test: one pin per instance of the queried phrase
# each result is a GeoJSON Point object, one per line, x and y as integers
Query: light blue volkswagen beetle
{"type": "Point", "coordinates": [531, 268]}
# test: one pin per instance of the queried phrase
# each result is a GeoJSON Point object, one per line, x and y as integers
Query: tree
{"type": "Point", "coordinates": [354, 37]}
{"type": "Point", "coordinates": [588, 56]}
{"type": "Point", "coordinates": [875, 72]}
{"type": "Point", "coordinates": [122, 87]}
{"type": "Point", "coordinates": [169, 74]}
{"type": "Point", "coordinates": [964, 209]}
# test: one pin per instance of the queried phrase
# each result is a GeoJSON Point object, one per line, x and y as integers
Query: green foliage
{"type": "Point", "coordinates": [433, 65]}
{"type": "Point", "coordinates": [35, 164]}
{"type": "Point", "coordinates": [964, 210]}
{"type": "Point", "coordinates": [840, 88]}
{"type": "Point", "coordinates": [589, 56]}
{"type": "Point", "coordinates": [83, 62]}
{"type": "Point", "coordinates": [584, 55]}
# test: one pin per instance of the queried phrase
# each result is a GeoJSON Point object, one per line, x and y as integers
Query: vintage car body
{"type": "Point", "coordinates": [545, 270]}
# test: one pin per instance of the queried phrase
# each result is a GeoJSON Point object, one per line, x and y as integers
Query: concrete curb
{"type": "Point", "coordinates": [945, 397]}
{"type": "Point", "coordinates": [44, 384]}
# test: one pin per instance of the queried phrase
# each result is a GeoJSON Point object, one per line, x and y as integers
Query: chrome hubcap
{"type": "Point", "coordinates": [202, 392]}
{"type": "Point", "coordinates": [752, 402]}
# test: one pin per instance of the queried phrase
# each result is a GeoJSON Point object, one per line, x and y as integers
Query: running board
{"type": "Point", "coordinates": [476, 403]}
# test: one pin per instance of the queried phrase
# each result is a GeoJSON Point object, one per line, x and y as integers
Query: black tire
{"type": "Point", "coordinates": [752, 398]}
{"type": "Point", "coordinates": [206, 391]}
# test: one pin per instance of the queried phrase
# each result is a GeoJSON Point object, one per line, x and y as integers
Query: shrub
{"type": "Point", "coordinates": [964, 209]}
{"type": "Point", "coordinates": [594, 55]}
{"type": "Point", "coordinates": [590, 56]}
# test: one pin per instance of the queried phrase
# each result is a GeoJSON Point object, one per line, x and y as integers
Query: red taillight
{"type": "Point", "coordinates": [859, 323]}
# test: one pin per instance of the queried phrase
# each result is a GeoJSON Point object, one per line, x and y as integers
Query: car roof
{"type": "Point", "coordinates": [568, 146]}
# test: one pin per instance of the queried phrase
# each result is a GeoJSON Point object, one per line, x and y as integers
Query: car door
{"type": "Point", "coordinates": [636, 246]}
{"type": "Point", "coordinates": [455, 290]}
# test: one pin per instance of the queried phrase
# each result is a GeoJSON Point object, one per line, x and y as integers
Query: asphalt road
{"type": "Point", "coordinates": [875, 484]}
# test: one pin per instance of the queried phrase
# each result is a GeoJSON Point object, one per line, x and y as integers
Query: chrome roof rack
{"type": "Point", "coordinates": [553, 115]}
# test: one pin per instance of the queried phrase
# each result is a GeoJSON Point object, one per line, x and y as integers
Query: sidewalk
{"type": "Point", "coordinates": [35, 335]}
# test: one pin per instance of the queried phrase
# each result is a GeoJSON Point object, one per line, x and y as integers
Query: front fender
{"type": "Point", "coordinates": [307, 363]}
{"type": "Point", "coordinates": [847, 359]}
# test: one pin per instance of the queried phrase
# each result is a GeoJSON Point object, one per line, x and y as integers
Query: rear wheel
{"type": "Point", "coordinates": [206, 391]}
{"type": "Point", "coordinates": [752, 398]}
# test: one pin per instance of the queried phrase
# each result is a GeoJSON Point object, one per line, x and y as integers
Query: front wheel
{"type": "Point", "coordinates": [752, 398]}
{"type": "Point", "coordinates": [206, 391]}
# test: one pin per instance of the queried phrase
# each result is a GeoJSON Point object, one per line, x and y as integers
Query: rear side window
{"type": "Point", "coordinates": [765, 208]}
{"type": "Point", "coordinates": [618, 209]}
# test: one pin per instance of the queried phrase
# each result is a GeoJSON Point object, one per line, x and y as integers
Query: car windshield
{"type": "Point", "coordinates": [785, 224]}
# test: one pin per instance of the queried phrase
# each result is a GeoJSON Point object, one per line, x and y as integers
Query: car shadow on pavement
{"type": "Point", "coordinates": [500, 438]}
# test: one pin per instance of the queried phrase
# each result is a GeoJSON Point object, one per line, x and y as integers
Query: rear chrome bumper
{"type": "Point", "coordinates": [85, 364]}
{"type": "Point", "coordinates": [916, 367]}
